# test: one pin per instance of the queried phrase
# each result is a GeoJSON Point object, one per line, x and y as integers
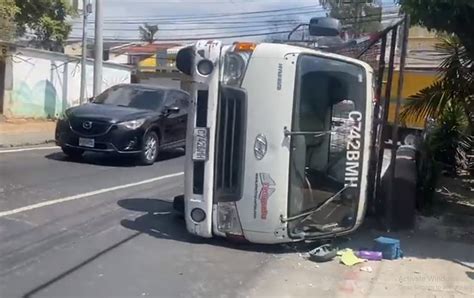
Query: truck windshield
{"type": "Point", "coordinates": [330, 97]}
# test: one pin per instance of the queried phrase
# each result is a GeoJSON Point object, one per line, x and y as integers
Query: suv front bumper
{"type": "Point", "coordinates": [115, 140]}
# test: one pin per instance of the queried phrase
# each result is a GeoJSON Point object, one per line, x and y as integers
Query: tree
{"type": "Point", "coordinates": [148, 32]}
{"type": "Point", "coordinates": [46, 20]}
{"type": "Point", "coordinates": [8, 10]}
{"type": "Point", "coordinates": [455, 86]}
{"type": "Point", "coordinates": [454, 16]}
{"type": "Point", "coordinates": [358, 16]}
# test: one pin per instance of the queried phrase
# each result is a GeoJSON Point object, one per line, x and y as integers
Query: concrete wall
{"type": "Point", "coordinates": [41, 84]}
{"type": "Point", "coordinates": [118, 58]}
{"type": "Point", "coordinates": [167, 82]}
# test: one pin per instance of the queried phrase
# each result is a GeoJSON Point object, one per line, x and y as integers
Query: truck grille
{"type": "Point", "coordinates": [96, 127]}
{"type": "Point", "coordinates": [230, 144]}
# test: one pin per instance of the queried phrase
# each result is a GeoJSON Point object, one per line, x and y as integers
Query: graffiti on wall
{"type": "Point", "coordinates": [44, 88]}
{"type": "Point", "coordinates": [37, 99]}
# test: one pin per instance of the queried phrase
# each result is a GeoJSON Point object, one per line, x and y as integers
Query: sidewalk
{"type": "Point", "coordinates": [21, 132]}
{"type": "Point", "coordinates": [434, 265]}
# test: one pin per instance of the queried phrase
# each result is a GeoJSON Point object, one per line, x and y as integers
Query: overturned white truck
{"type": "Point", "coordinates": [278, 141]}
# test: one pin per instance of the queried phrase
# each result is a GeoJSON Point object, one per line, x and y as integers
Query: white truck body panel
{"type": "Point", "coordinates": [270, 85]}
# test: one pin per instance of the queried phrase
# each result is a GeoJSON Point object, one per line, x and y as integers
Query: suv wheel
{"type": "Point", "coordinates": [73, 152]}
{"type": "Point", "coordinates": [149, 148]}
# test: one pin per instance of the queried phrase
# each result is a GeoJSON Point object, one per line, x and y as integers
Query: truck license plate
{"type": "Point", "coordinates": [84, 142]}
{"type": "Point", "coordinates": [200, 144]}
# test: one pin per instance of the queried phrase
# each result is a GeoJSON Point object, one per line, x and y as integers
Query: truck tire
{"type": "Point", "coordinates": [178, 206]}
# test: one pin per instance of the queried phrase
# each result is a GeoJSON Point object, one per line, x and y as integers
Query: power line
{"type": "Point", "coordinates": [261, 27]}
{"type": "Point", "coordinates": [242, 23]}
{"type": "Point", "coordinates": [210, 37]}
{"type": "Point", "coordinates": [233, 34]}
{"type": "Point", "coordinates": [213, 15]}
{"type": "Point", "coordinates": [216, 19]}
{"type": "Point", "coordinates": [292, 23]}
{"type": "Point", "coordinates": [207, 18]}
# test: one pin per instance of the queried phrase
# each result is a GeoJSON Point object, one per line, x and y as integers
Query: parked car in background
{"type": "Point", "coordinates": [128, 119]}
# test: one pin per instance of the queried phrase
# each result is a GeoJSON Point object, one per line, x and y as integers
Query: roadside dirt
{"type": "Point", "coordinates": [18, 126]}
{"type": "Point", "coordinates": [22, 132]}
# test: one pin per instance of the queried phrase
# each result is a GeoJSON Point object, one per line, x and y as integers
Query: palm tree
{"type": "Point", "coordinates": [148, 32]}
{"type": "Point", "coordinates": [450, 100]}
{"type": "Point", "coordinates": [455, 86]}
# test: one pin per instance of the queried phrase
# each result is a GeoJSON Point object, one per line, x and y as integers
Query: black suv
{"type": "Point", "coordinates": [126, 119]}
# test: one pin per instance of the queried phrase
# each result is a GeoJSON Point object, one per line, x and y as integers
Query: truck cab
{"type": "Point", "coordinates": [277, 143]}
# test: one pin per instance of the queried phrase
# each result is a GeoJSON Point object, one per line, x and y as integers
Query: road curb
{"type": "Point", "coordinates": [3, 146]}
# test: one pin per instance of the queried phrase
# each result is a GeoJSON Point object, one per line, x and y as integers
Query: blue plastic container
{"type": "Point", "coordinates": [389, 247]}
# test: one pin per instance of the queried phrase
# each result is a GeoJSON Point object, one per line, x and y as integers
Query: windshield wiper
{"type": "Point", "coordinates": [316, 134]}
{"type": "Point", "coordinates": [307, 213]}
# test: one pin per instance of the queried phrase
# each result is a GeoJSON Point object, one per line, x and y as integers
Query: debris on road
{"type": "Point", "coordinates": [366, 269]}
{"type": "Point", "coordinates": [370, 255]}
{"type": "Point", "coordinates": [389, 247]}
{"type": "Point", "coordinates": [349, 258]}
{"type": "Point", "coordinates": [323, 253]}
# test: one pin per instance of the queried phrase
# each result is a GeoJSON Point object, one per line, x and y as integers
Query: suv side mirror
{"type": "Point", "coordinates": [172, 110]}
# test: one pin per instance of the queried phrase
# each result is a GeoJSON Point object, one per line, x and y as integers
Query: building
{"type": "Point", "coordinates": [146, 57]}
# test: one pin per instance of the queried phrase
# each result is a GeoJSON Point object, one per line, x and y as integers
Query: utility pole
{"type": "Point", "coordinates": [393, 158]}
{"type": "Point", "coordinates": [99, 48]}
{"type": "Point", "coordinates": [86, 9]}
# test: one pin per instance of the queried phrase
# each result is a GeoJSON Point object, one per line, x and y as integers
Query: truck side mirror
{"type": "Point", "coordinates": [324, 27]}
{"type": "Point", "coordinates": [185, 60]}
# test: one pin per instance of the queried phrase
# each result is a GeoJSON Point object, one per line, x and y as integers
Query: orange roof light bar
{"type": "Point", "coordinates": [244, 46]}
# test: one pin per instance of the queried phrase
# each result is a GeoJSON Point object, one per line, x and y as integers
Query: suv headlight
{"type": "Point", "coordinates": [134, 124]}
{"type": "Point", "coordinates": [235, 63]}
{"type": "Point", "coordinates": [228, 221]}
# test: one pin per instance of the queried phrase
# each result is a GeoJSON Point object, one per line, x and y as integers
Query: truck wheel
{"type": "Point", "coordinates": [72, 152]}
{"type": "Point", "coordinates": [178, 205]}
{"type": "Point", "coordinates": [149, 149]}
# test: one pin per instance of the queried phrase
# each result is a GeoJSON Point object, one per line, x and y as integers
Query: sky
{"type": "Point", "coordinates": [181, 19]}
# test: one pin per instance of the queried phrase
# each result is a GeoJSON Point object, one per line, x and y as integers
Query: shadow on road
{"type": "Point", "coordinates": [111, 160]}
{"type": "Point", "coordinates": [43, 286]}
{"type": "Point", "coordinates": [162, 222]}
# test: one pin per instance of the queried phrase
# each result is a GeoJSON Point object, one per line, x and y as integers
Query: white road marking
{"type": "Point", "coordinates": [28, 149]}
{"type": "Point", "coordinates": [84, 195]}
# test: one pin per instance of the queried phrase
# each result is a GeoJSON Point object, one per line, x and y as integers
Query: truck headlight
{"type": "Point", "coordinates": [228, 221]}
{"type": "Point", "coordinates": [134, 124]}
{"type": "Point", "coordinates": [198, 215]}
{"type": "Point", "coordinates": [235, 63]}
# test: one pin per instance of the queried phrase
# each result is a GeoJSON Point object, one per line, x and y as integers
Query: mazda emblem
{"type": "Point", "coordinates": [87, 124]}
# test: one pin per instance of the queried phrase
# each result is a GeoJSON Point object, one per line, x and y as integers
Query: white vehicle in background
{"type": "Point", "coordinates": [271, 156]}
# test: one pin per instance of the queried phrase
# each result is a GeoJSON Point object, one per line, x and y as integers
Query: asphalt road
{"type": "Point", "coordinates": [104, 227]}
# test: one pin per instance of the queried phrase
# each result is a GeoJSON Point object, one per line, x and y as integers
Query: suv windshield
{"type": "Point", "coordinates": [132, 96]}
{"type": "Point", "coordinates": [328, 134]}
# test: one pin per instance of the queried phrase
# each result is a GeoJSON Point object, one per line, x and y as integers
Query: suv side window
{"type": "Point", "coordinates": [183, 101]}
{"type": "Point", "coordinates": [179, 99]}
{"type": "Point", "coordinates": [171, 99]}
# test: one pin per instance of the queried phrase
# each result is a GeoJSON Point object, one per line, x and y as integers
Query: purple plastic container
{"type": "Point", "coordinates": [370, 255]}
